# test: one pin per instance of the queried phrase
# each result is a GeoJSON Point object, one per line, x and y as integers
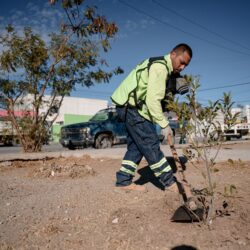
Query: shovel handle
{"type": "Point", "coordinates": [180, 172]}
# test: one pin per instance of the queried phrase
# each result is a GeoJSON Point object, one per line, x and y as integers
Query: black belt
{"type": "Point", "coordinates": [127, 106]}
{"type": "Point", "coordinates": [131, 106]}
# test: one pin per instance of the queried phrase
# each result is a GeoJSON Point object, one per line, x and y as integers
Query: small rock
{"type": "Point", "coordinates": [248, 236]}
{"type": "Point", "coordinates": [66, 219]}
{"type": "Point", "coordinates": [6, 164]}
{"type": "Point", "coordinates": [242, 242]}
{"type": "Point", "coordinates": [88, 168]}
{"type": "Point", "coordinates": [52, 173]}
{"type": "Point", "coordinates": [115, 221]}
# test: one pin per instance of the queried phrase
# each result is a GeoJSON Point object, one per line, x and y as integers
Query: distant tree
{"type": "Point", "coordinates": [31, 67]}
{"type": "Point", "coordinates": [226, 105]}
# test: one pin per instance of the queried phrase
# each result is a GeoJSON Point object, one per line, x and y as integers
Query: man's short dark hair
{"type": "Point", "coordinates": [182, 47]}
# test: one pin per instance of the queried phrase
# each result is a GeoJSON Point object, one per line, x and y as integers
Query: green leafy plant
{"type": "Point", "coordinates": [230, 190]}
{"type": "Point", "coordinates": [235, 163]}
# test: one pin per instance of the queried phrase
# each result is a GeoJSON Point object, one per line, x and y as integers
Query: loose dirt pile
{"type": "Point", "coordinates": [71, 203]}
{"type": "Point", "coordinates": [62, 168]}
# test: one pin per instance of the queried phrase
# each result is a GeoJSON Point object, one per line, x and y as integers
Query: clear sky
{"type": "Point", "coordinates": [217, 30]}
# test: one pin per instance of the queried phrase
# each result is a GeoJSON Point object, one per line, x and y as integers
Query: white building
{"type": "Point", "coordinates": [72, 110]}
{"type": "Point", "coordinates": [246, 113]}
{"type": "Point", "coordinates": [75, 110]}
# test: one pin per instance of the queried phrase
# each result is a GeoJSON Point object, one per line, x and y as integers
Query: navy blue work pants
{"type": "Point", "coordinates": [142, 140]}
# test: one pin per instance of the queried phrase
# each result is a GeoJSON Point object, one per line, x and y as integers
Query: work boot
{"type": "Point", "coordinates": [133, 187]}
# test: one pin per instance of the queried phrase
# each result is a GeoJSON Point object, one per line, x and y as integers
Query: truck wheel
{"type": "Point", "coordinates": [8, 143]}
{"type": "Point", "coordinates": [71, 146]}
{"type": "Point", "coordinates": [103, 141]}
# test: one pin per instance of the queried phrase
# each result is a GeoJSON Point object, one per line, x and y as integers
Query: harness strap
{"type": "Point", "coordinates": [159, 59]}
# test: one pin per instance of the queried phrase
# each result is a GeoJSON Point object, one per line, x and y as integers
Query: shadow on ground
{"type": "Point", "coordinates": [146, 174]}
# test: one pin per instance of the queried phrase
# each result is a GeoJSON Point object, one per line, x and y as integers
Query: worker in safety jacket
{"type": "Point", "coordinates": [138, 100]}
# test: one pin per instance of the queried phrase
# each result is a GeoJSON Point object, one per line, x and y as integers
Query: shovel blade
{"type": "Point", "coordinates": [183, 214]}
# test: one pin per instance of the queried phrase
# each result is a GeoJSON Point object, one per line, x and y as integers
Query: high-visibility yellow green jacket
{"type": "Point", "coordinates": [150, 87]}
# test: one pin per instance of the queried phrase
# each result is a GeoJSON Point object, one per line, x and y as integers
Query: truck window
{"type": "Point", "coordinates": [100, 116]}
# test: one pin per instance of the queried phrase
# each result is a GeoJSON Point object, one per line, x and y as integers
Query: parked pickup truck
{"type": "Point", "coordinates": [102, 131]}
{"type": "Point", "coordinates": [237, 131]}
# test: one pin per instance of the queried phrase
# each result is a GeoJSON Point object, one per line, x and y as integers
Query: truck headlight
{"type": "Point", "coordinates": [85, 130]}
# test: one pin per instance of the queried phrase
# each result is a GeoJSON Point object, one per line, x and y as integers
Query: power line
{"type": "Point", "coordinates": [226, 86]}
{"type": "Point", "coordinates": [183, 31]}
{"type": "Point", "coordinates": [199, 25]}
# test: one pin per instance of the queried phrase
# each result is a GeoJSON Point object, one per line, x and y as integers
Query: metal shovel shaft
{"type": "Point", "coordinates": [190, 211]}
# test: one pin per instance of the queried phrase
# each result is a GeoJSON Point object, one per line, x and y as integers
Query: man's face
{"type": "Point", "coordinates": [179, 60]}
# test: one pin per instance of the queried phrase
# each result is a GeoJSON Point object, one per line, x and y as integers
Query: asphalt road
{"type": "Point", "coordinates": [56, 150]}
{"type": "Point", "coordinates": [57, 147]}
{"type": "Point", "coordinates": [52, 147]}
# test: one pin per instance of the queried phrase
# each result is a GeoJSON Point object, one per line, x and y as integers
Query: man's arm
{"type": "Point", "coordinates": [156, 92]}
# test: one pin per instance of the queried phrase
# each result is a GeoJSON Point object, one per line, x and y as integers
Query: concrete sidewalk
{"type": "Point", "coordinates": [229, 152]}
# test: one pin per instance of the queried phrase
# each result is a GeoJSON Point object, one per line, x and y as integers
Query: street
{"type": "Point", "coordinates": [52, 147]}
{"type": "Point", "coordinates": [234, 149]}
{"type": "Point", "coordinates": [57, 147]}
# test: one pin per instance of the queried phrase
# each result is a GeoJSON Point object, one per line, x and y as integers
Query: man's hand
{"type": "Point", "coordinates": [167, 131]}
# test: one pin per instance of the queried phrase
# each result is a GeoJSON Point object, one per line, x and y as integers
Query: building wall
{"type": "Point", "coordinates": [79, 107]}
{"type": "Point", "coordinates": [238, 110]}
{"type": "Point", "coordinates": [246, 112]}
{"type": "Point", "coordinates": [55, 132]}
{"type": "Point", "coordinates": [75, 110]}
{"type": "Point", "coordinates": [71, 118]}
{"type": "Point", "coordinates": [72, 110]}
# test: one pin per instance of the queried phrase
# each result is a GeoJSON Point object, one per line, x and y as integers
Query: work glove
{"type": "Point", "coordinates": [182, 86]}
{"type": "Point", "coordinates": [166, 131]}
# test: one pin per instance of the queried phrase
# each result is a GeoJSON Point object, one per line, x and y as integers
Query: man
{"type": "Point", "coordinates": [139, 104]}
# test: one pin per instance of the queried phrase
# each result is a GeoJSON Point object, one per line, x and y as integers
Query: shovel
{"type": "Point", "coordinates": [190, 211]}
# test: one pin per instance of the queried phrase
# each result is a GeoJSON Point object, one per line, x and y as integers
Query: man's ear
{"type": "Point", "coordinates": [172, 53]}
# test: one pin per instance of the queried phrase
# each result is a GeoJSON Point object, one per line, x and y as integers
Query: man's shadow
{"type": "Point", "coordinates": [147, 175]}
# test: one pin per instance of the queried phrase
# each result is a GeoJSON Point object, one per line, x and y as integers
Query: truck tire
{"type": "Point", "coordinates": [103, 141]}
{"type": "Point", "coordinates": [239, 136]}
{"type": "Point", "coordinates": [9, 142]}
{"type": "Point", "coordinates": [71, 146]}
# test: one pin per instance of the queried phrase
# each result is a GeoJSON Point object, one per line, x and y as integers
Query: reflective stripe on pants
{"type": "Point", "coordinates": [142, 140]}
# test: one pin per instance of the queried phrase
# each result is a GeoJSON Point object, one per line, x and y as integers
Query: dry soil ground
{"type": "Point", "coordinates": [71, 203]}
